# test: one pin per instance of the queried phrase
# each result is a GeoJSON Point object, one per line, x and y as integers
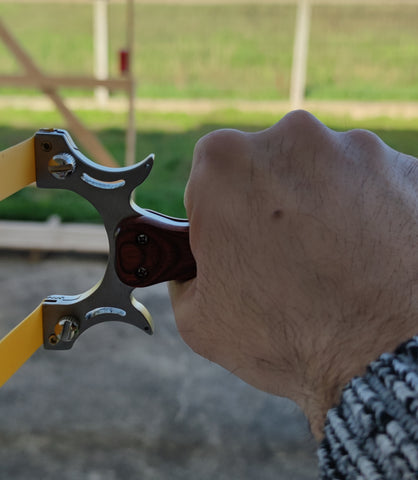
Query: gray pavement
{"type": "Point", "coordinates": [123, 405]}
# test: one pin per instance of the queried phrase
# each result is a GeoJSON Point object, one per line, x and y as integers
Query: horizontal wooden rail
{"type": "Point", "coordinates": [53, 236]}
{"type": "Point", "coordinates": [65, 81]}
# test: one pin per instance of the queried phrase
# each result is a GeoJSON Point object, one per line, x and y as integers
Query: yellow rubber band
{"type": "Point", "coordinates": [17, 170]}
{"type": "Point", "coordinates": [20, 344]}
{"type": "Point", "coordinates": [17, 167]}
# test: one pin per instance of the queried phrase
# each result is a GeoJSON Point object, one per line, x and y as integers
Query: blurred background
{"type": "Point", "coordinates": [154, 76]}
{"type": "Point", "coordinates": [200, 65]}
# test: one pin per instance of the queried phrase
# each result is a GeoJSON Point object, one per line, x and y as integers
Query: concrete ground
{"type": "Point", "coordinates": [123, 405]}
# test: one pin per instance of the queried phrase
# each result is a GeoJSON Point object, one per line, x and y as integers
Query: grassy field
{"type": "Point", "coordinates": [232, 51]}
{"type": "Point", "coordinates": [171, 137]}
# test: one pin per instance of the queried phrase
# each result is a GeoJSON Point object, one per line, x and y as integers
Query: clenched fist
{"type": "Point", "coordinates": [305, 241]}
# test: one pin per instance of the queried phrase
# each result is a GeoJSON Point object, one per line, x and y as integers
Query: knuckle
{"type": "Point", "coordinates": [301, 124]}
{"type": "Point", "coordinates": [364, 147]}
{"type": "Point", "coordinates": [219, 148]}
{"type": "Point", "coordinates": [218, 157]}
{"type": "Point", "coordinates": [363, 139]}
{"type": "Point", "coordinates": [304, 142]}
{"type": "Point", "coordinates": [302, 133]}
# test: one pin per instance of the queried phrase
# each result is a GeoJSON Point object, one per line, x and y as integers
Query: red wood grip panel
{"type": "Point", "coordinates": [153, 248]}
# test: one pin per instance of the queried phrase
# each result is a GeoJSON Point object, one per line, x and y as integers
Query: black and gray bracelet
{"type": "Point", "coordinates": [373, 433]}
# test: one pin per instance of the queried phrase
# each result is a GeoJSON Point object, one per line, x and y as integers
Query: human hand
{"type": "Point", "coordinates": [307, 267]}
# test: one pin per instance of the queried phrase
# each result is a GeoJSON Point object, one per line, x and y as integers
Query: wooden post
{"type": "Point", "coordinates": [130, 131]}
{"type": "Point", "coordinates": [300, 54]}
{"type": "Point", "coordinates": [101, 42]}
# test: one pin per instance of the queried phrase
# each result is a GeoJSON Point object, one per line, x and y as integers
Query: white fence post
{"type": "Point", "coordinates": [101, 42]}
{"type": "Point", "coordinates": [300, 54]}
{"type": "Point", "coordinates": [131, 131]}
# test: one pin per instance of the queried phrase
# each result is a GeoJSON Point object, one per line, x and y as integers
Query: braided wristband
{"type": "Point", "coordinates": [373, 433]}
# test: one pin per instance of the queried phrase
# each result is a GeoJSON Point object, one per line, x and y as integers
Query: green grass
{"type": "Point", "coordinates": [369, 53]}
{"type": "Point", "coordinates": [172, 138]}
{"type": "Point", "coordinates": [232, 51]}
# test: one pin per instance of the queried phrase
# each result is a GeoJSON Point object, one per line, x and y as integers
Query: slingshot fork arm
{"type": "Point", "coordinates": [144, 247]}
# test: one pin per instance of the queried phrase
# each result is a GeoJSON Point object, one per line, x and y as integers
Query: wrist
{"type": "Point", "coordinates": [333, 378]}
{"type": "Point", "coordinates": [348, 357]}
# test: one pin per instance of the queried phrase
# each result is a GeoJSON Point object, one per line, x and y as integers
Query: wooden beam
{"type": "Point", "coordinates": [53, 236]}
{"type": "Point", "coordinates": [90, 142]}
{"type": "Point", "coordinates": [130, 131]}
{"type": "Point", "coordinates": [54, 81]}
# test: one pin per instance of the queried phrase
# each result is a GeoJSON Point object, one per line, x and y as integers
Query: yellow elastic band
{"type": "Point", "coordinates": [17, 167]}
{"type": "Point", "coordinates": [20, 344]}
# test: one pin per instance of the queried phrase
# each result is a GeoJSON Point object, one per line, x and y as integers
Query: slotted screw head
{"type": "Point", "coordinates": [61, 165]}
{"type": "Point", "coordinates": [66, 329]}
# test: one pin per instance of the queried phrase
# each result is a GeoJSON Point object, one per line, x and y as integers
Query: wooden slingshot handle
{"type": "Point", "coordinates": [153, 248]}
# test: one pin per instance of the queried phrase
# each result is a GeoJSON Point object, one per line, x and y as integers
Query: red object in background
{"type": "Point", "coordinates": [123, 61]}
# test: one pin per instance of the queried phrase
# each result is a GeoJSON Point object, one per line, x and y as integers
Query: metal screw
{"type": "Point", "coordinates": [46, 146]}
{"type": "Point", "coordinates": [142, 272]}
{"type": "Point", "coordinates": [65, 330]}
{"type": "Point", "coordinates": [142, 239]}
{"type": "Point", "coordinates": [53, 339]}
{"type": "Point", "coordinates": [61, 165]}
